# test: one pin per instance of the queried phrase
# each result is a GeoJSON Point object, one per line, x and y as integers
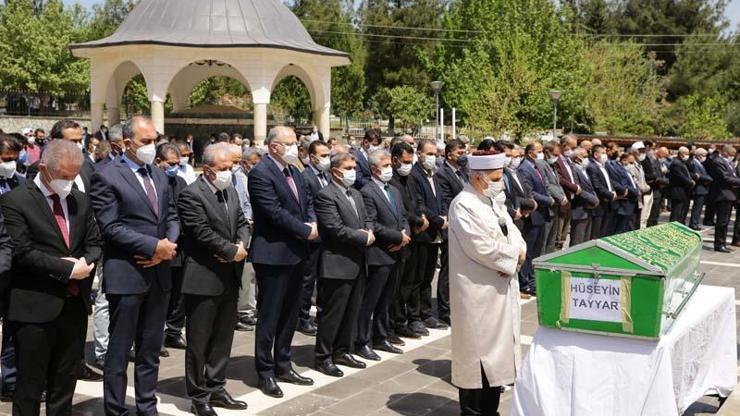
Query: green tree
{"type": "Point", "coordinates": [702, 118]}
{"type": "Point", "coordinates": [291, 101]}
{"type": "Point", "coordinates": [499, 80]}
{"type": "Point", "coordinates": [35, 48]}
{"type": "Point", "coordinates": [624, 88]}
{"type": "Point", "coordinates": [409, 106]}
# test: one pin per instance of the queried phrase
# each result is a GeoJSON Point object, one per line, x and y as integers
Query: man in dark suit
{"type": "Point", "coordinates": [317, 177]}
{"type": "Point", "coordinates": [139, 225]}
{"type": "Point", "coordinates": [703, 182]}
{"type": "Point", "coordinates": [625, 186]}
{"type": "Point", "coordinates": [402, 156]}
{"type": "Point", "coordinates": [452, 177]}
{"type": "Point", "coordinates": [57, 243]}
{"type": "Point", "coordinates": [534, 225]}
{"type": "Point", "coordinates": [72, 131]}
{"type": "Point", "coordinates": [102, 133]}
{"type": "Point", "coordinates": [10, 179]}
{"type": "Point", "coordinates": [168, 159]}
{"type": "Point", "coordinates": [655, 175]}
{"type": "Point", "coordinates": [430, 200]}
{"type": "Point", "coordinates": [284, 223]}
{"type": "Point", "coordinates": [385, 211]}
{"type": "Point", "coordinates": [370, 143]}
{"type": "Point", "coordinates": [602, 184]}
{"type": "Point", "coordinates": [568, 181]}
{"type": "Point", "coordinates": [725, 185]}
{"type": "Point", "coordinates": [584, 202]}
{"type": "Point", "coordinates": [215, 234]}
{"type": "Point", "coordinates": [515, 195]}
{"type": "Point", "coordinates": [345, 235]}
{"type": "Point", "coordinates": [681, 185]}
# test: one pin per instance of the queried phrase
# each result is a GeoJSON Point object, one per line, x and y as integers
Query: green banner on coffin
{"type": "Point", "coordinates": [633, 284]}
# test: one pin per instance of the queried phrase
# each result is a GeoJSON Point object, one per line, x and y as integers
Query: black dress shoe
{"type": "Point", "coordinates": [248, 320]}
{"type": "Point", "coordinates": [202, 409]}
{"type": "Point", "coordinates": [223, 399]}
{"type": "Point", "coordinates": [86, 374]}
{"type": "Point", "coordinates": [406, 332]}
{"type": "Point", "coordinates": [99, 364]}
{"type": "Point", "coordinates": [348, 360]}
{"type": "Point", "coordinates": [175, 342]}
{"type": "Point", "coordinates": [295, 378]}
{"type": "Point", "coordinates": [327, 367]}
{"type": "Point", "coordinates": [367, 353]}
{"type": "Point", "coordinates": [270, 388]}
{"type": "Point", "coordinates": [387, 347]}
{"type": "Point", "coordinates": [163, 352]}
{"type": "Point", "coordinates": [396, 340]}
{"type": "Point", "coordinates": [434, 323]}
{"type": "Point", "coordinates": [241, 326]}
{"type": "Point", "coordinates": [722, 249]}
{"type": "Point", "coordinates": [307, 328]}
{"type": "Point", "coordinates": [419, 328]}
{"type": "Point", "coordinates": [695, 227]}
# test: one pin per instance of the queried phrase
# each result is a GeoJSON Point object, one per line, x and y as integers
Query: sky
{"type": "Point", "coordinates": [733, 9]}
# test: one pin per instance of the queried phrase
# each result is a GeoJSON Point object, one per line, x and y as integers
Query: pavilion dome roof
{"type": "Point", "coordinates": [213, 24]}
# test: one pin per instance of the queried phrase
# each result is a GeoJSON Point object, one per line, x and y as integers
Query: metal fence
{"type": "Point", "coordinates": [25, 103]}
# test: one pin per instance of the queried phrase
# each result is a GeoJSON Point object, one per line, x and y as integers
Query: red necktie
{"type": "Point", "coordinates": [74, 290]}
{"type": "Point", "coordinates": [291, 183]}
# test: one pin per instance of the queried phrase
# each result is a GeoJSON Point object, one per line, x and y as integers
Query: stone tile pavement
{"type": "Point", "coordinates": [416, 383]}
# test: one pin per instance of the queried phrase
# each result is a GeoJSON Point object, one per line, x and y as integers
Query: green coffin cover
{"type": "Point", "coordinates": [652, 272]}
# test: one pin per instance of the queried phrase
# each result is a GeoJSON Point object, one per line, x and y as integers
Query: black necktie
{"type": "Point", "coordinates": [352, 202]}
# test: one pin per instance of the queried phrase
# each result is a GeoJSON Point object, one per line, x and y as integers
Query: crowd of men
{"type": "Point", "coordinates": [248, 243]}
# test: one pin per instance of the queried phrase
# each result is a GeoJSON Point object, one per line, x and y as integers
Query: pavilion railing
{"type": "Point", "coordinates": [27, 103]}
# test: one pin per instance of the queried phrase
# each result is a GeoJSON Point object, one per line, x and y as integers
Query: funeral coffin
{"type": "Point", "coordinates": [632, 284]}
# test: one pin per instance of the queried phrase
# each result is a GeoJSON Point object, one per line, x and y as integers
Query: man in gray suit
{"type": "Point", "coordinates": [551, 153]}
{"type": "Point", "coordinates": [345, 236]}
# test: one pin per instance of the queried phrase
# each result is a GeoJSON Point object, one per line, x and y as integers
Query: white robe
{"type": "Point", "coordinates": [484, 305]}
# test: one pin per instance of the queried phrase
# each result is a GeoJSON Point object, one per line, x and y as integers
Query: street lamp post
{"type": "Point", "coordinates": [436, 88]}
{"type": "Point", "coordinates": [555, 98]}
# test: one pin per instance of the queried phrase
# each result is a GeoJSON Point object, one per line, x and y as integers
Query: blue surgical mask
{"type": "Point", "coordinates": [171, 171]}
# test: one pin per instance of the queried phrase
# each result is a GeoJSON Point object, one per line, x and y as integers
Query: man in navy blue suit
{"type": "Point", "coordinates": [370, 143]}
{"type": "Point", "coordinates": [534, 225]}
{"type": "Point", "coordinates": [625, 186]}
{"type": "Point", "coordinates": [284, 223]}
{"type": "Point", "coordinates": [602, 185]}
{"type": "Point", "coordinates": [139, 224]}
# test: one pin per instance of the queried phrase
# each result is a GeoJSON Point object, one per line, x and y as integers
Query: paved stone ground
{"type": "Point", "coordinates": [416, 383]}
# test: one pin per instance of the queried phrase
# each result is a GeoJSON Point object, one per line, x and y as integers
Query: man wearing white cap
{"type": "Point", "coordinates": [486, 249]}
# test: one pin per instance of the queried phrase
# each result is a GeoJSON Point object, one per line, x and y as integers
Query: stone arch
{"type": "Point", "coordinates": [123, 73]}
{"type": "Point", "coordinates": [191, 74]}
{"type": "Point", "coordinates": [304, 76]}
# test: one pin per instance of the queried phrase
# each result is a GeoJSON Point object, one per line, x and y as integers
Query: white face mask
{"type": "Point", "coordinates": [324, 164]}
{"type": "Point", "coordinates": [494, 189]}
{"type": "Point", "coordinates": [348, 177]}
{"type": "Point", "coordinates": [405, 169]}
{"type": "Point", "coordinates": [306, 160]}
{"type": "Point", "coordinates": [603, 158]}
{"type": "Point", "coordinates": [61, 187]}
{"type": "Point", "coordinates": [552, 160]}
{"type": "Point", "coordinates": [585, 163]}
{"type": "Point", "coordinates": [515, 162]}
{"type": "Point", "coordinates": [372, 149]}
{"type": "Point", "coordinates": [31, 140]}
{"type": "Point", "coordinates": [386, 174]}
{"type": "Point", "coordinates": [80, 145]}
{"type": "Point", "coordinates": [184, 161]}
{"type": "Point", "coordinates": [7, 169]}
{"type": "Point", "coordinates": [430, 162]}
{"type": "Point", "coordinates": [291, 154]}
{"type": "Point", "coordinates": [146, 154]}
{"type": "Point", "coordinates": [641, 157]}
{"type": "Point", "coordinates": [507, 161]}
{"type": "Point", "coordinates": [223, 180]}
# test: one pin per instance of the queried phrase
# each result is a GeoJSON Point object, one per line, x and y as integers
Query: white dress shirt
{"type": "Point", "coordinates": [47, 194]}
{"type": "Point", "coordinates": [135, 168]}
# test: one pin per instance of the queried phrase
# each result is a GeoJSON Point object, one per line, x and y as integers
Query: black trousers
{"type": "Point", "coordinates": [210, 332]}
{"type": "Point", "coordinates": [480, 402]}
{"type": "Point", "coordinates": [622, 223]}
{"type": "Point", "coordinates": [373, 321]}
{"type": "Point", "coordinates": [426, 264]}
{"type": "Point", "coordinates": [309, 281]}
{"type": "Point", "coordinates": [736, 228]}
{"type": "Point", "coordinates": [695, 218]}
{"type": "Point", "coordinates": [47, 356]}
{"type": "Point", "coordinates": [176, 310]}
{"type": "Point", "coordinates": [534, 236]}
{"type": "Point", "coordinates": [658, 195]}
{"type": "Point", "coordinates": [7, 359]}
{"type": "Point", "coordinates": [598, 226]}
{"type": "Point", "coordinates": [339, 301]}
{"type": "Point", "coordinates": [443, 284]}
{"type": "Point", "coordinates": [408, 290]}
{"type": "Point", "coordinates": [711, 212]}
{"type": "Point", "coordinates": [394, 303]}
{"type": "Point", "coordinates": [135, 320]}
{"type": "Point", "coordinates": [679, 209]}
{"type": "Point", "coordinates": [724, 210]}
{"type": "Point", "coordinates": [278, 300]}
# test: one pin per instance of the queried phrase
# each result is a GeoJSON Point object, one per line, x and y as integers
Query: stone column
{"type": "Point", "coordinates": [260, 123]}
{"type": "Point", "coordinates": [114, 116]}
{"type": "Point", "coordinates": [157, 111]}
{"type": "Point", "coordinates": [322, 119]}
{"type": "Point", "coordinates": [96, 116]}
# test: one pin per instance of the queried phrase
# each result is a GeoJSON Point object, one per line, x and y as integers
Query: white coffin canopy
{"type": "Point", "coordinates": [175, 44]}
